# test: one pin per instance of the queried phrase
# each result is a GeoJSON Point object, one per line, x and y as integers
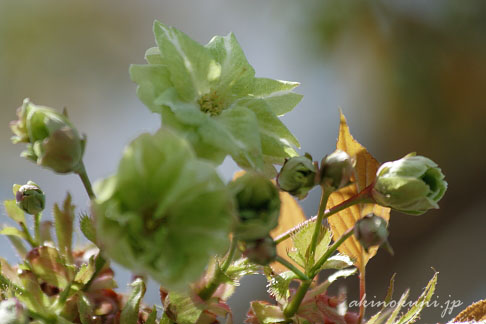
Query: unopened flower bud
{"type": "Point", "coordinates": [258, 206]}
{"type": "Point", "coordinates": [297, 176]}
{"type": "Point", "coordinates": [336, 170]}
{"type": "Point", "coordinates": [52, 141]}
{"type": "Point", "coordinates": [262, 252]}
{"type": "Point", "coordinates": [30, 198]}
{"type": "Point", "coordinates": [12, 312]}
{"type": "Point", "coordinates": [412, 185]}
{"type": "Point", "coordinates": [371, 230]}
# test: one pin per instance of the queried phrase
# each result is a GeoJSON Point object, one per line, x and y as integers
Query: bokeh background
{"type": "Point", "coordinates": [409, 75]}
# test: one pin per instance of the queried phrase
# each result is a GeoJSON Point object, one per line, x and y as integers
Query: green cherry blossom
{"type": "Point", "coordinates": [211, 95]}
{"type": "Point", "coordinates": [165, 213]}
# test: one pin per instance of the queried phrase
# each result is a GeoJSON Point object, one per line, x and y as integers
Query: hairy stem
{"type": "Point", "coordinates": [294, 304]}
{"type": "Point", "coordinates": [317, 228]}
{"type": "Point", "coordinates": [33, 243]}
{"type": "Point", "coordinates": [214, 283]}
{"type": "Point", "coordinates": [292, 268]}
{"type": "Point", "coordinates": [37, 219]}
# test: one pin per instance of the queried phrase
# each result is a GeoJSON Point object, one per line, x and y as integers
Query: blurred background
{"type": "Point", "coordinates": [409, 75]}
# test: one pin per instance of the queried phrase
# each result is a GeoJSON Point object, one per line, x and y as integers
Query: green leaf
{"type": "Point", "coordinates": [47, 264]}
{"type": "Point", "coordinates": [183, 308]}
{"type": "Point", "coordinates": [240, 268]}
{"type": "Point", "coordinates": [85, 272]}
{"type": "Point", "coordinates": [413, 313]}
{"type": "Point", "coordinates": [85, 309]}
{"type": "Point", "coordinates": [236, 74]}
{"type": "Point", "coordinates": [152, 81]}
{"type": "Point", "coordinates": [12, 231]}
{"type": "Point", "coordinates": [277, 94]}
{"type": "Point", "coordinates": [129, 314]}
{"type": "Point", "coordinates": [64, 226]}
{"type": "Point", "coordinates": [339, 261]}
{"type": "Point", "coordinates": [32, 296]}
{"type": "Point", "coordinates": [87, 226]}
{"type": "Point", "coordinates": [267, 314]}
{"type": "Point", "coordinates": [302, 240]}
{"type": "Point", "coordinates": [18, 245]}
{"type": "Point", "coordinates": [13, 211]}
{"type": "Point", "coordinates": [397, 309]}
{"type": "Point", "coordinates": [152, 319]}
{"type": "Point", "coordinates": [187, 61]}
{"type": "Point", "coordinates": [278, 285]}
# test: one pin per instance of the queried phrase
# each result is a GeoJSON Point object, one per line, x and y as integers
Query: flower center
{"type": "Point", "coordinates": [211, 103]}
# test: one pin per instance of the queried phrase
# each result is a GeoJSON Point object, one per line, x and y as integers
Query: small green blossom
{"type": "Point", "coordinates": [165, 213]}
{"type": "Point", "coordinates": [30, 198]}
{"type": "Point", "coordinates": [211, 95]}
{"type": "Point", "coordinates": [52, 141]}
{"type": "Point", "coordinates": [412, 185]}
{"type": "Point", "coordinates": [258, 205]}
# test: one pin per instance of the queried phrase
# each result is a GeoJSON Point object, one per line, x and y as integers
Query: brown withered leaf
{"type": "Point", "coordinates": [365, 173]}
{"type": "Point", "coordinates": [475, 312]}
{"type": "Point", "coordinates": [291, 215]}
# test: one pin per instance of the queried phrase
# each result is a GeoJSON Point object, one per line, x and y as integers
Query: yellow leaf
{"type": "Point", "coordinates": [291, 215]}
{"type": "Point", "coordinates": [365, 173]}
{"type": "Point", "coordinates": [474, 312]}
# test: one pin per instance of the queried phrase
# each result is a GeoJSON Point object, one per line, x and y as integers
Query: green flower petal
{"type": "Point", "coordinates": [277, 94]}
{"type": "Point", "coordinates": [152, 81]}
{"type": "Point", "coordinates": [162, 203]}
{"type": "Point", "coordinates": [188, 61]}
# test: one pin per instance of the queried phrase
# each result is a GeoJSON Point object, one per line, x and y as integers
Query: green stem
{"type": "Point", "coordinates": [294, 304]}
{"type": "Point", "coordinates": [28, 237]}
{"type": "Point", "coordinates": [37, 219]}
{"type": "Point", "coordinates": [317, 228]}
{"type": "Point", "coordinates": [85, 179]}
{"type": "Point", "coordinates": [330, 251]}
{"type": "Point", "coordinates": [363, 197]}
{"type": "Point", "coordinates": [214, 283]}
{"type": "Point", "coordinates": [292, 268]}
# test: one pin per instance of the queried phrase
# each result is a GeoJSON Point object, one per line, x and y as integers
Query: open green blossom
{"type": "Point", "coordinates": [412, 185]}
{"type": "Point", "coordinates": [165, 212]}
{"type": "Point", "coordinates": [211, 95]}
{"type": "Point", "coordinates": [52, 141]}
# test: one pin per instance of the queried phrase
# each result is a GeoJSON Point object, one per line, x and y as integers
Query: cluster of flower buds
{"type": "Point", "coordinates": [412, 185]}
{"type": "Point", "coordinates": [258, 207]}
{"type": "Point", "coordinates": [299, 174]}
{"type": "Point", "coordinates": [52, 141]}
{"type": "Point", "coordinates": [30, 198]}
{"type": "Point", "coordinates": [371, 230]}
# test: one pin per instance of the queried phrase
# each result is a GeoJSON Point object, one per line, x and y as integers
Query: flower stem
{"type": "Point", "coordinates": [362, 293]}
{"type": "Point", "coordinates": [214, 283]}
{"type": "Point", "coordinates": [330, 251]}
{"type": "Point", "coordinates": [292, 268]}
{"type": "Point", "coordinates": [317, 228]}
{"type": "Point", "coordinates": [363, 197]}
{"type": "Point", "coordinates": [294, 304]}
{"type": "Point", "coordinates": [28, 237]}
{"type": "Point", "coordinates": [85, 179]}
{"type": "Point", "coordinates": [37, 219]}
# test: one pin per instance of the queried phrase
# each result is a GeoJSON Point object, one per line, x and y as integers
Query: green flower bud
{"type": "Point", "coordinates": [371, 230]}
{"type": "Point", "coordinates": [336, 170]}
{"type": "Point", "coordinates": [262, 252]}
{"type": "Point", "coordinates": [12, 312]}
{"type": "Point", "coordinates": [297, 176]}
{"type": "Point", "coordinates": [30, 198]}
{"type": "Point", "coordinates": [164, 213]}
{"type": "Point", "coordinates": [412, 185]}
{"type": "Point", "coordinates": [52, 141]}
{"type": "Point", "coordinates": [258, 205]}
